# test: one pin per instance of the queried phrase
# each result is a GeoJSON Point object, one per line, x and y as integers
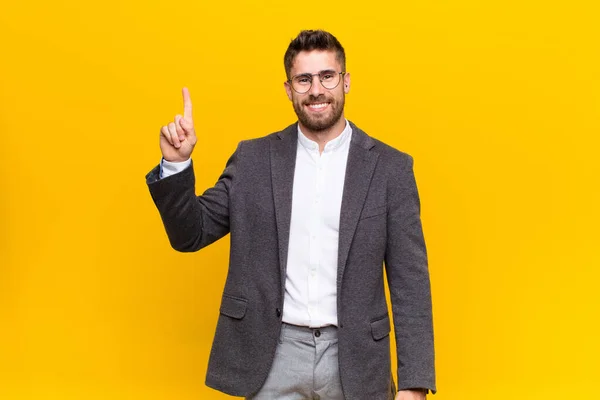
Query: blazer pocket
{"type": "Point", "coordinates": [373, 212]}
{"type": "Point", "coordinates": [233, 307]}
{"type": "Point", "coordinates": [380, 328]}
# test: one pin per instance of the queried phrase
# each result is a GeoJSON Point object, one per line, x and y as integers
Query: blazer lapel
{"type": "Point", "coordinates": [283, 163]}
{"type": "Point", "coordinates": [359, 170]}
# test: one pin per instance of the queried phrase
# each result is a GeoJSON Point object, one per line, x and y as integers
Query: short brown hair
{"type": "Point", "coordinates": [310, 40]}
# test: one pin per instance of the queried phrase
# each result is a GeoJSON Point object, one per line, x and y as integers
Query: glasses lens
{"type": "Point", "coordinates": [329, 79]}
{"type": "Point", "coordinates": [302, 83]}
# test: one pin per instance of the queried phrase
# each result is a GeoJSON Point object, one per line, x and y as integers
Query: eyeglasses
{"type": "Point", "coordinates": [303, 82]}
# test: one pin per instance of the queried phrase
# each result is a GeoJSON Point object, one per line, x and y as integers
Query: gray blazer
{"type": "Point", "coordinates": [379, 223]}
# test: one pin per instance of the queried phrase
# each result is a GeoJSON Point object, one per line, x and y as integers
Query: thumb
{"type": "Point", "coordinates": [186, 125]}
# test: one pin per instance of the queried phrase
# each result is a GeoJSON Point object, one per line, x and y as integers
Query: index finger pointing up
{"type": "Point", "coordinates": [187, 104]}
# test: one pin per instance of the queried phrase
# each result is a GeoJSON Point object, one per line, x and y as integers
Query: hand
{"type": "Point", "coordinates": [178, 138]}
{"type": "Point", "coordinates": [410, 395]}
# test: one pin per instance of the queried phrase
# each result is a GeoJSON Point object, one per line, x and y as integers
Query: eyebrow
{"type": "Point", "coordinates": [321, 71]}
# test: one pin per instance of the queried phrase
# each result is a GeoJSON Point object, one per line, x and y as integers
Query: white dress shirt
{"type": "Point", "coordinates": [168, 168]}
{"type": "Point", "coordinates": [312, 264]}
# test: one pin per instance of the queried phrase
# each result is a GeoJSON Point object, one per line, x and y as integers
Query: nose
{"type": "Point", "coordinates": [316, 88]}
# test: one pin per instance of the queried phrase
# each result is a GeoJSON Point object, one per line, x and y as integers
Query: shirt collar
{"type": "Point", "coordinates": [332, 145]}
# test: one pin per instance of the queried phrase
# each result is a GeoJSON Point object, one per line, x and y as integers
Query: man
{"type": "Point", "coordinates": [314, 212]}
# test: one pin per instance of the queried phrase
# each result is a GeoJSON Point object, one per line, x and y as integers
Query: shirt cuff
{"type": "Point", "coordinates": [168, 168]}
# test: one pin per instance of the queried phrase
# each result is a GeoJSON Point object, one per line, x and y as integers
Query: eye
{"type": "Point", "coordinates": [303, 80]}
{"type": "Point", "coordinates": [327, 75]}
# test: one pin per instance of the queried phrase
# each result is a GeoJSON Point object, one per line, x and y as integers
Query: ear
{"type": "Point", "coordinates": [288, 89]}
{"type": "Point", "coordinates": [346, 82]}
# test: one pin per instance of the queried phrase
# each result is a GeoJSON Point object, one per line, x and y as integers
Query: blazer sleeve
{"type": "Point", "coordinates": [193, 222]}
{"type": "Point", "coordinates": [409, 284]}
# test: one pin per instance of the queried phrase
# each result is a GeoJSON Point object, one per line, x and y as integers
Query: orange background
{"type": "Point", "coordinates": [498, 101]}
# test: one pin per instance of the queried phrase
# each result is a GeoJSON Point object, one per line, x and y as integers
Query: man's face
{"type": "Point", "coordinates": [318, 109]}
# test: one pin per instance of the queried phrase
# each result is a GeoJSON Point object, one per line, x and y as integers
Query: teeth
{"type": "Point", "coordinates": [320, 105]}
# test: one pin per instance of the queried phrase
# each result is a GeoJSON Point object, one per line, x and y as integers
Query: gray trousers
{"type": "Point", "coordinates": [305, 366]}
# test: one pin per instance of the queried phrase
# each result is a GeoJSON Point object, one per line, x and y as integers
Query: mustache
{"type": "Point", "coordinates": [316, 99]}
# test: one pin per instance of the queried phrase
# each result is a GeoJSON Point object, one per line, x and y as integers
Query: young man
{"type": "Point", "coordinates": [314, 213]}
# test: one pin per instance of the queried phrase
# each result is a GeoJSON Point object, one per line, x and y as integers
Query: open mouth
{"type": "Point", "coordinates": [317, 107]}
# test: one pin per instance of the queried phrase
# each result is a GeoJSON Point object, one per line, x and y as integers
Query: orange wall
{"type": "Point", "coordinates": [498, 101]}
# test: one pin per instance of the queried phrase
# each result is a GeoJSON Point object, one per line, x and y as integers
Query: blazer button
{"type": "Point", "coordinates": [278, 312]}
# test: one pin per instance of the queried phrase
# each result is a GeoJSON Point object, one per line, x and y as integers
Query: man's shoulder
{"type": "Point", "coordinates": [264, 140]}
{"type": "Point", "coordinates": [389, 150]}
{"type": "Point", "coordinates": [386, 152]}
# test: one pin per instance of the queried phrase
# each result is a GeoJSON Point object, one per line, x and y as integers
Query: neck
{"type": "Point", "coordinates": [324, 136]}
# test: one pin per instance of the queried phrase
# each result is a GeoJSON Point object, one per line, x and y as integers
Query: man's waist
{"type": "Point", "coordinates": [300, 332]}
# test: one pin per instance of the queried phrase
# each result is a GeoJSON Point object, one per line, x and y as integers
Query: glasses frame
{"type": "Point", "coordinates": [312, 80]}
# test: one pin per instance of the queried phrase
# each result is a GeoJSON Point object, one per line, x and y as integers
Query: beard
{"type": "Point", "coordinates": [318, 122]}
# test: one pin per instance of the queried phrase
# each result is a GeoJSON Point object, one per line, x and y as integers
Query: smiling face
{"type": "Point", "coordinates": [319, 110]}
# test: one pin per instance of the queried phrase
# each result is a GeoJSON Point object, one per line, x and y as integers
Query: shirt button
{"type": "Point", "coordinates": [317, 333]}
{"type": "Point", "coordinates": [278, 312]}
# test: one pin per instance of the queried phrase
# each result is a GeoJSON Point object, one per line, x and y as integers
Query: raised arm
{"type": "Point", "coordinates": [191, 221]}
